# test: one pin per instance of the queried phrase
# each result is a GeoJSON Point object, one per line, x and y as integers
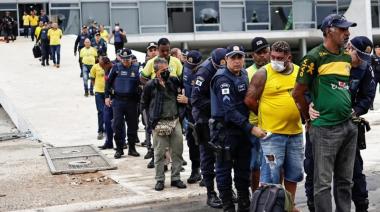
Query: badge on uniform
{"type": "Point", "coordinates": [225, 91]}
{"type": "Point", "coordinates": [133, 74]}
{"type": "Point", "coordinates": [241, 87]}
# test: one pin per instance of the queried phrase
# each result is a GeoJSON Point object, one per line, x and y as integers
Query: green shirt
{"type": "Point", "coordinates": [327, 77]}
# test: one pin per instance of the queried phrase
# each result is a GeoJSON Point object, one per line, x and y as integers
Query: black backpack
{"type": "Point", "coordinates": [36, 51]}
{"type": "Point", "coordinates": [271, 198]}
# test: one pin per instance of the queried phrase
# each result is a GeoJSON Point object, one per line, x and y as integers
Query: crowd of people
{"type": "Point", "coordinates": [249, 120]}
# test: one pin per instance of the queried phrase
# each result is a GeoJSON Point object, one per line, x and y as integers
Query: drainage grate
{"type": "Point", "coordinates": [76, 159]}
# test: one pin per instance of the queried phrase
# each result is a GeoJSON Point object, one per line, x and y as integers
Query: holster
{"type": "Point", "coordinates": [363, 127]}
{"type": "Point", "coordinates": [218, 141]}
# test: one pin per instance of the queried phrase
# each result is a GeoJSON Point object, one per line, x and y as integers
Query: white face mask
{"type": "Point", "coordinates": [278, 65]}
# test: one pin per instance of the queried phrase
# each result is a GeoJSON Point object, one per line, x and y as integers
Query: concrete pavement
{"type": "Point", "coordinates": [50, 103]}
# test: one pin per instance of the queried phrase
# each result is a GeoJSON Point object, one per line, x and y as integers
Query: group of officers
{"type": "Point", "coordinates": [212, 99]}
{"type": "Point", "coordinates": [8, 27]}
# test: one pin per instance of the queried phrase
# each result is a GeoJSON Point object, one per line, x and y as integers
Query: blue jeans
{"type": "Point", "coordinates": [256, 153]}
{"type": "Point", "coordinates": [282, 152]}
{"type": "Point", "coordinates": [99, 101]}
{"type": "Point", "coordinates": [86, 72]}
{"type": "Point", "coordinates": [56, 51]}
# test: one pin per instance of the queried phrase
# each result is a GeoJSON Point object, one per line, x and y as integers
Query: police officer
{"type": "Point", "coordinates": [124, 82]}
{"type": "Point", "coordinates": [194, 58]}
{"type": "Point", "coordinates": [45, 48]}
{"type": "Point", "coordinates": [79, 44]}
{"type": "Point", "coordinates": [362, 89]}
{"type": "Point", "coordinates": [376, 63]}
{"type": "Point", "coordinates": [201, 111]}
{"type": "Point", "coordinates": [230, 129]}
{"type": "Point", "coordinates": [99, 44]}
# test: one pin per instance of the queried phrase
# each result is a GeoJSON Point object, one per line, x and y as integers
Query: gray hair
{"type": "Point", "coordinates": [158, 61]}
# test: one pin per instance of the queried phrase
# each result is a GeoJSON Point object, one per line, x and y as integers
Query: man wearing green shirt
{"type": "Point", "coordinates": [324, 72]}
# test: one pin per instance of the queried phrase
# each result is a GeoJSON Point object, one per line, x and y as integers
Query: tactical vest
{"type": "Point", "coordinates": [127, 81]}
{"type": "Point", "coordinates": [118, 38]}
{"type": "Point", "coordinates": [44, 36]}
{"type": "Point", "coordinates": [376, 64]}
{"type": "Point", "coordinates": [238, 87]}
{"type": "Point", "coordinates": [188, 80]}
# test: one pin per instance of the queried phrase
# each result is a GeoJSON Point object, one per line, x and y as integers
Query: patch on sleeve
{"type": "Point", "coordinates": [225, 91]}
{"type": "Point", "coordinates": [199, 81]}
{"type": "Point", "coordinates": [224, 85]}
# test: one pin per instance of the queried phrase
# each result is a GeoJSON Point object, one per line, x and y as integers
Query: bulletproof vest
{"type": "Point", "coordinates": [127, 80]}
{"type": "Point", "coordinates": [207, 75]}
{"type": "Point", "coordinates": [81, 41]}
{"type": "Point", "coordinates": [188, 80]}
{"type": "Point", "coordinates": [117, 36]}
{"type": "Point", "coordinates": [376, 64]}
{"type": "Point", "coordinates": [237, 87]}
{"type": "Point", "coordinates": [356, 78]}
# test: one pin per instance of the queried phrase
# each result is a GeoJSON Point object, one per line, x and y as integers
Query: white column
{"type": "Point", "coordinates": [359, 11]}
{"type": "Point", "coordinates": [302, 47]}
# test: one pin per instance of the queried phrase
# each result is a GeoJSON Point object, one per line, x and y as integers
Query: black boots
{"type": "Point", "coordinates": [213, 200]}
{"type": "Point", "coordinates": [361, 206]}
{"type": "Point", "coordinates": [194, 177]}
{"type": "Point", "coordinates": [118, 153]}
{"type": "Point", "coordinates": [132, 150]}
{"type": "Point", "coordinates": [149, 154]}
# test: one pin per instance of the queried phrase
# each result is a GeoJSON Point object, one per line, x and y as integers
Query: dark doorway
{"type": "Point", "coordinates": [29, 7]}
{"type": "Point", "coordinates": [180, 17]}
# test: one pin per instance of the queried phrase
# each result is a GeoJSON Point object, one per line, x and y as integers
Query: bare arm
{"type": "Point", "coordinates": [255, 90]}
{"type": "Point", "coordinates": [299, 97]}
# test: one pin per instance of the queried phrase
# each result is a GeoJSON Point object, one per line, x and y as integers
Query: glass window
{"type": "Point", "coordinates": [64, 5]}
{"type": "Point", "coordinates": [375, 14]}
{"type": "Point", "coordinates": [281, 16]}
{"type": "Point", "coordinates": [128, 18]}
{"type": "Point", "coordinates": [206, 12]}
{"type": "Point", "coordinates": [304, 14]}
{"type": "Point", "coordinates": [153, 16]}
{"type": "Point", "coordinates": [96, 11]}
{"type": "Point", "coordinates": [7, 6]}
{"type": "Point", "coordinates": [257, 11]}
{"type": "Point", "coordinates": [343, 6]}
{"type": "Point", "coordinates": [232, 19]}
{"type": "Point", "coordinates": [67, 19]}
{"type": "Point", "coordinates": [180, 17]}
{"type": "Point", "coordinates": [324, 10]}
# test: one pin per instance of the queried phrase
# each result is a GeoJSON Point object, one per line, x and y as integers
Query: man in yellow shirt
{"type": "Point", "coordinates": [175, 65]}
{"type": "Point", "coordinates": [38, 30]}
{"type": "Point", "coordinates": [97, 76]}
{"type": "Point", "coordinates": [55, 35]}
{"type": "Point", "coordinates": [26, 24]}
{"type": "Point", "coordinates": [33, 20]}
{"type": "Point", "coordinates": [103, 33]}
{"type": "Point", "coordinates": [271, 93]}
{"type": "Point", "coordinates": [88, 56]}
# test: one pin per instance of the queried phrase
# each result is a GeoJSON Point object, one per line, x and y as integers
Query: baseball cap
{"type": "Point", "coordinates": [259, 43]}
{"type": "Point", "coordinates": [363, 47]}
{"type": "Point", "coordinates": [84, 26]}
{"type": "Point", "coordinates": [335, 20]}
{"type": "Point", "coordinates": [234, 49]}
{"type": "Point", "coordinates": [193, 59]}
{"type": "Point", "coordinates": [218, 55]}
{"type": "Point", "coordinates": [97, 33]}
{"type": "Point", "coordinates": [185, 52]}
{"type": "Point", "coordinates": [151, 44]}
{"type": "Point", "coordinates": [126, 53]}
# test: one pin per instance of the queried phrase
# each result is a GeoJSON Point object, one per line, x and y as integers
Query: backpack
{"type": "Point", "coordinates": [36, 51]}
{"type": "Point", "coordinates": [271, 198]}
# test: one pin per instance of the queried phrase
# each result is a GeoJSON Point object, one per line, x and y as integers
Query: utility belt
{"type": "Point", "coordinates": [125, 97]}
{"type": "Point", "coordinates": [363, 127]}
{"type": "Point", "coordinates": [218, 139]}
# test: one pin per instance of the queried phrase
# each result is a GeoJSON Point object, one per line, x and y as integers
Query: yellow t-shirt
{"type": "Point", "coordinates": [25, 19]}
{"type": "Point", "coordinates": [175, 68]}
{"type": "Point", "coordinates": [253, 119]}
{"type": "Point", "coordinates": [88, 55]}
{"type": "Point", "coordinates": [277, 99]}
{"type": "Point", "coordinates": [38, 31]}
{"type": "Point", "coordinates": [104, 35]}
{"type": "Point", "coordinates": [97, 73]}
{"type": "Point", "coordinates": [33, 20]}
{"type": "Point", "coordinates": [55, 36]}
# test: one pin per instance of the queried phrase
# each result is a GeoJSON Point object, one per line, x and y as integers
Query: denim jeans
{"type": "Point", "coordinates": [334, 149]}
{"type": "Point", "coordinates": [99, 101]}
{"type": "Point", "coordinates": [56, 51]}
{"type": "Point", "coordinates": [256, 153]}
{"type": "Point", "coordinates": [282, 152]}
{"type": "Point", "coordinates": [86, 72]}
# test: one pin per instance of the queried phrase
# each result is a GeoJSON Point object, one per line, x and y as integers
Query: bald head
{"type": "Point", "coordinates": [87, 43]}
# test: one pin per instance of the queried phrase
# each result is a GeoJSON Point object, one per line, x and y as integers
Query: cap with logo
{"type": "Point", "coordinates": [151, 45]}
{"type": "Point", "coordinates": [335, 20]}
{"type": "Point", "coordinates": [193, 59]}
{"type": "Point", "coordinates": [234, 49]}
{"type": "Point", "coordinates": [185, 52]}
{"type": "Point", "coordinates": [363, 47]}
{"type": "Point", "coordinates": [218, 56]}
{"type": "Point", "coordinates": [126, 53]}
{"type": "Point", "coordinates": [259, 43]}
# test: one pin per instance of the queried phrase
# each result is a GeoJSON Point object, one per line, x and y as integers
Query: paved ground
{"type": "Point", "coordinates": [52, 101]}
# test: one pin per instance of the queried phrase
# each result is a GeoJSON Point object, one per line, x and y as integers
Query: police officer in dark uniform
{"type": "Point", "coordinates": [99, 44]}
{"type": "Point", "coordinates": [193, 59]}
{"type": "Point", "coordinates": [123, 80]}
{"type": "Point", "coordinates": [230, 129]}
{"type": "Point", "coordinates": [201, 111]}
{"type": "Point", "coordinates": [45, 47]}
{"type": "Point", "coordinates": [8, 26]}
{"type": "Point", "coordinates": [376, 63]}
{"type": "Point", "coordinates": [79, 44]}
{"type": "Point", "coordinates": [362, 89]}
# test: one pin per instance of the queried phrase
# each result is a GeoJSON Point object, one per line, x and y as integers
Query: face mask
{"type": "Point", "coordinates": [165, 75]}
{"type": "Point", "coordinates": [278, 65]}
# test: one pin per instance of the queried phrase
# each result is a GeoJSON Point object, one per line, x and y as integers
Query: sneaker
{"type": "Point", "coordinates": [159, 186]}
{"type": "Point", "coordinates": [100, 136]}
{"type": "Point", "coordinates": [178, 184]}
{"type": "Point", "coordinates": [149, 154]}
{"type": "Point", "coordinates": [150, 164]}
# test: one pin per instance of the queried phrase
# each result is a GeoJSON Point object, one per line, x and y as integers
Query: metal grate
{"type": "Point", "coordinates": [76, 159]}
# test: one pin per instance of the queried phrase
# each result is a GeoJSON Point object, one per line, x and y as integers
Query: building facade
{"type": "Point", "coordinates": [205, 24]}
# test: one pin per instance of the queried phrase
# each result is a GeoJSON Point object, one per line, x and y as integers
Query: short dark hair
{"type": "Point", "coordinates": [163, 41]}
{"type": "Point", "coordinates": [281, 46]}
